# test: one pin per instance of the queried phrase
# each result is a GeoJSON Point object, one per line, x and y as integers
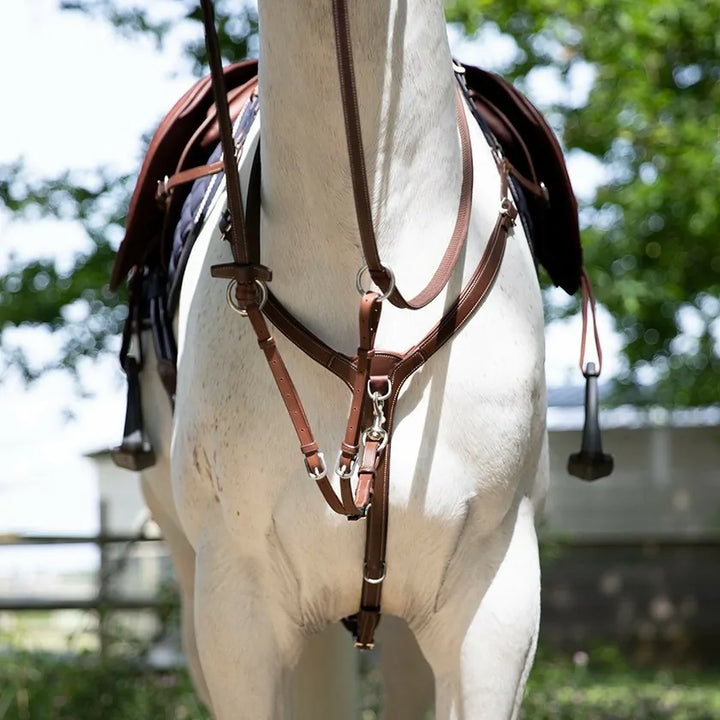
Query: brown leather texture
{"type": "Point", "coordinates": [527, 141]}
{"type": "Point", "coordinates": [171, 141]}
{"type": "Point", "coordinates": [531, 146]}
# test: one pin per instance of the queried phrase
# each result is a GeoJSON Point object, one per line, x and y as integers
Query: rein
{"type": "Point", "coordinates": [375, 377]}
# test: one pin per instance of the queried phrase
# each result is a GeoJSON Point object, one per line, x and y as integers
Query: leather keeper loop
{"type": "Point", "coordinates": [244, 274]}
{"type": "Point", "coordinates": [309, 449]}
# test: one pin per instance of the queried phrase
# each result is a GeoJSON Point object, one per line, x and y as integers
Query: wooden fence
{"type": "Point", "coordinates": [104, 601]}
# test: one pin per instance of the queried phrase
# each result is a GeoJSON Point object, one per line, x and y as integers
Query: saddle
{"type": "Point", "coordinates": [183, 142]}
{"type": "Point", "coordinates": [531, 166]}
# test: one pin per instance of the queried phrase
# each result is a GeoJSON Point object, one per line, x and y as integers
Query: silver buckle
{"type": "Point", "coordinates": [316, 474]}
{"type": "Point", "coordinates": [349, 471]}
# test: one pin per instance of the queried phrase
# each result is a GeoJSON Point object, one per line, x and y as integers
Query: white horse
{"type": "Point", "coordinates": [265, 565]}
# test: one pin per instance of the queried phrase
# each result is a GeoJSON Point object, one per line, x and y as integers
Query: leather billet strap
{"type": "Point", "coordinates": [243, 271]}
{"type": "Point", "coordinates": [363, 209]}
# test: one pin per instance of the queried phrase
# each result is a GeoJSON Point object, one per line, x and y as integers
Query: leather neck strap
{"type": "Point", "coordinates": [363, 209]}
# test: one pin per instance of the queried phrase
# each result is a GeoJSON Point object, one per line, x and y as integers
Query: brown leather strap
{"type": "Point", "coordinates": [232, 180]}
{"type": "Point", "coordinates": [166, 186]}
{"type": "Point", "coordinates": [314, 461]}
{"type": "Point", "coordinates": [363, 209]}
{"type": "Point", "coordinates": [370, 309]}
{"type": "Point", "coordinates": [588, 301]}
{"type": "Point", "coordinates": [374, 473]}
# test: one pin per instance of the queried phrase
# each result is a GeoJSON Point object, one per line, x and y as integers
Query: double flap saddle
{"type": "Point", "coordinates": [189, 132]}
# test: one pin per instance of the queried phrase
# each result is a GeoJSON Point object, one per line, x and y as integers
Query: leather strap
{"type": "Point", "coordinates": [588, 301]}
{"type": "Point", "coordinates": [381, 374]}
{"type": "Point", "coordinates": [232, 180]}
{"type": "Point", "coordinates": [363, 209]}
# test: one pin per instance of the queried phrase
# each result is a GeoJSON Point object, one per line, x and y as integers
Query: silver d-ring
{"type": "Point", "coordinates": [377, 395]}
{"type": "Point", "coordinates": [361, 289]}
{"type": "Point", "coordinates": [373, 581]}
{"type": "Point", "coordinates": [232, 300]}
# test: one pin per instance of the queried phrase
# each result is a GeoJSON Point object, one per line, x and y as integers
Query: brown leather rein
{"type": "Point", "coordinates": [375, 377]}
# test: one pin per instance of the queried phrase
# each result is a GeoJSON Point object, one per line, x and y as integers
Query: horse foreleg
{"type": "Point", "coordinates": [481, 643]}
{"type": "Point", "coordinates": [183, 558]}
{"type": "Point", "coordinates": [407, 676]}
{"type": "Point", "coordinates": [246, 643]}
{"type": "Point", "coordinates": [326, 681]}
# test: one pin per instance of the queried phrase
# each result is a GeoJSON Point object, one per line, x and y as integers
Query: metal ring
{"type": "Point", "coordinates": [383, 441]}
{"type": "Point", "coordinates": [316, 474]}
{"type": "Point", "coordinates": [362, 291]}
{"type": "Point", "coordinates": [232, 300]}
{"type": "Point", "coordinates": [374, 581]}
{"type": "Point", "coordinates": [378, 396]}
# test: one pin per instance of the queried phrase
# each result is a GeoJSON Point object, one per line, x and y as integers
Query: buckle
{"type": "Point", "coordinates": [319, 473]}
{"type": "Point", "coordinates": [349, 471]}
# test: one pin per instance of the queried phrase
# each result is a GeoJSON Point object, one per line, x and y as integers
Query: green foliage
{"type": "Point", "coordinates": [34, 686]}
{"type": "Point", "coordinates": [652, 117]}
{"type": "Point", "coordinates": [602, 685]}
{"type": "Point", "coordinates": [75, 301]}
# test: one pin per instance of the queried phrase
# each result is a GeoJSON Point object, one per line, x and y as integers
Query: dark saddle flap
{"type": "Point", "coordinates": [530, 145]}
{"type": "Point", "coordinates": [184, 139]}
{"type": "Point", "coordinates": [187, 135]}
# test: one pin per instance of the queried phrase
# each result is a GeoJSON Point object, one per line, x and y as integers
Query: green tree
{"type": "Point", "coordinates": [652, 117]}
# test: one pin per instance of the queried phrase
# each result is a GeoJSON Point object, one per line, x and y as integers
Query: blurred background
{"type": "Point", "coordinates": [630, 563]}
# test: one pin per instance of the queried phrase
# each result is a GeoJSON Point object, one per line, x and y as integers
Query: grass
{"type": "Point", "coordinates": [598, 686]}
{"type": "Point", "coordinates": [601, 685]}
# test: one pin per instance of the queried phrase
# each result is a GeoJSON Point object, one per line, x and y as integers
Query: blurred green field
{"type": "Point", "coordinates": [601, 686]}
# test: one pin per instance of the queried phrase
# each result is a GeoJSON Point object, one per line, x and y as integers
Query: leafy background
{"type": "Point", "coordinates": [650, 121]}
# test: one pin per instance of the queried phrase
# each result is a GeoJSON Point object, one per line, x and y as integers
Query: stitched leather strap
{"type": "Point", "coordinates": [363, 209]}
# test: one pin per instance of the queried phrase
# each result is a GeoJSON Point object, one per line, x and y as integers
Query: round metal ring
{"type": "Point", "coordinates": [232, 300]}
{"type": "Point", "coordinates": [362, 291]}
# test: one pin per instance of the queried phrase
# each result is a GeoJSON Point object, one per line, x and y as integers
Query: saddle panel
{"type": "Point", "coordinates": [530, 145]}
{"type": "Point", "coordinates": [189, 132]}
{"type": "Point", "coordinates": [176, 145]}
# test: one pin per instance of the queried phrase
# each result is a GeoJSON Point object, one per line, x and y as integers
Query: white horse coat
{"type": "Point", "coordinates": [264, 564]}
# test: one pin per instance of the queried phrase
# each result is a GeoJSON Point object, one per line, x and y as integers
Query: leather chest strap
{"type": "Point", "coordinates": [358, 173]}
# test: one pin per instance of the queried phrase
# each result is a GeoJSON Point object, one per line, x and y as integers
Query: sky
{"type": "Point", "coordinates": [81, 97]}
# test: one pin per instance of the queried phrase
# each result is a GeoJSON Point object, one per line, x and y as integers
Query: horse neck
{"type": "Point", "coordinates": [405, 89]}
